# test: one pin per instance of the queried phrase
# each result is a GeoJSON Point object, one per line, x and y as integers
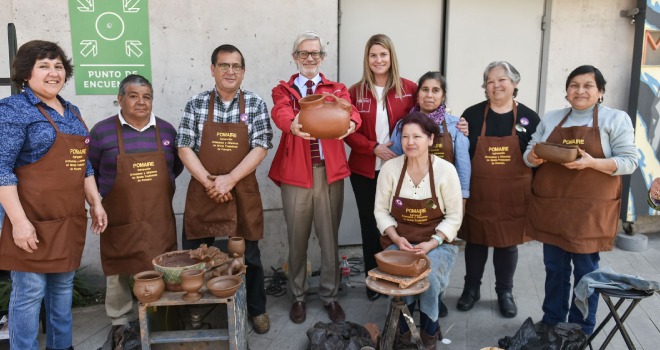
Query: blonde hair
{"type": "Point", "coordinates": [368, 80]}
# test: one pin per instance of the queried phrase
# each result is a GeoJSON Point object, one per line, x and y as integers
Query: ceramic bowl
{"type": "Point", "coordinates": [224, 286]}
{"type": "Point", "coordinates": [171, 264]}
{"type": "Point", "coordinates": [402, 263]}
{"type": "Point", "coordinates": [556, 153]}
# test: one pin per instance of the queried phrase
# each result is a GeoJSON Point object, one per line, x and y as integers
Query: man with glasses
{"type": "Point", "coordinates": [311, 175]}
{"type": "Point", "coordinates": [224, 135]}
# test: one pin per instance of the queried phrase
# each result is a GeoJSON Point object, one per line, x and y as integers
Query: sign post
{"type": "Point", "coordinates": [110, 40]}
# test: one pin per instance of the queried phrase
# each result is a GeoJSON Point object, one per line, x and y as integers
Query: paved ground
{"type": "Point", "coordinates": [478, 328]}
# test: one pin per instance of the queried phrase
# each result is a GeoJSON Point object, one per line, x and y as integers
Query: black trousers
{"type": "Point", "coordinates": [254, 276]}
{"type": "Point", "coordinates": [364, 189]}
{"type": "Point", "coordinates": [505, 261]}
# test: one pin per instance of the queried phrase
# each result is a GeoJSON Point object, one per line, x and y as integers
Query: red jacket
{"type": "Point", "coordinates": [292, 164]}
{"type": "Point", "coordinates": [362, 160]}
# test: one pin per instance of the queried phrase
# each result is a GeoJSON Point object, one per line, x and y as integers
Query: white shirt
{"type": "Point", "coordinates": [382, 123]}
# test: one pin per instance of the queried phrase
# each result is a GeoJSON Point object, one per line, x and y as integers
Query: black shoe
{"type": "Point", "coordinates": [443, 311]}
{"type": "Point", "coordinates": [468, 298]}
{"type": "Point", "coordinates": [508, 306]}
{"type": "Point", "coordinates": [371, 295]}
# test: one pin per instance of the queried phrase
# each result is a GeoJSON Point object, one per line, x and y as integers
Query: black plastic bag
{"type": "Point", "coordinates": [123, 338]}
{"type": "Point", "coordinates": [563, 336]}
{"type": "Point", "coordinates": [338, 336]}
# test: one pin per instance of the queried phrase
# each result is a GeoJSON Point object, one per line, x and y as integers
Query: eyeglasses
{"type": "Point", "coordinates": [224, 67]}
{"type": "Point", "coordinates": [315, 54]}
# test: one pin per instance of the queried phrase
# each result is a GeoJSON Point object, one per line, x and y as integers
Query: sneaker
{"type": "Point", "coordinates": [261, 323]}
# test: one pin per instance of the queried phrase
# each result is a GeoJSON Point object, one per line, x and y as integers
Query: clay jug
{"type": "Point", "coordinates": [236, 247]}
{"type": "Point", "coordinates": [148, 286]}
{"type": "Point", "coordinates": [191, 282]}
{"type": "Point", "coordinates": [324, 116]}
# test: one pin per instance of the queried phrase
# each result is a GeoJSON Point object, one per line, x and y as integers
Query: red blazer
{"type": "Point", "coordinates": [292, 164]}
{"type": "Point", "coordinates": [362, 160]}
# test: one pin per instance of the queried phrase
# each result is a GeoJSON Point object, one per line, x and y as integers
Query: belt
{"type": "Point", "coordinates": [318, 164]}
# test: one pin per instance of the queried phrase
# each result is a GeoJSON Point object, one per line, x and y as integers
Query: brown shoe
{"type": "Point", "coordinates": [298, 312]}
{"type": "Point", "coordinates": [430, 341]}
{"type": "Point", "coordinates": [261, 323]}
{"type": "Point", "coordinates": [335, 312]}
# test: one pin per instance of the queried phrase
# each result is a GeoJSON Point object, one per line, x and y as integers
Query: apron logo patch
{"type": "Point", "coordinates": [87, 140]}
{"type": "Point", "coordinates": [244, 117]}
{"type": "Point", "coordinates": [398, 203]}
{"type": "Point", "coordinates": [524, 121]}
{"type": "Point", "coordinates": [166, 142]}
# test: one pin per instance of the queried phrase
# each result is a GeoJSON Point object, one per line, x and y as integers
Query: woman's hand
{"type": "Point", "coordinates": [463, 126]}
{"type": "Point", "coordinates": [403, 244]}
{"type": "Point", "coordinates": [99, 218]}
{"type": "Point", "coordinates": [383, 151]}
{"type": "Point", "coordinates": [533, 159]}
{"type": "Point", "coordinates": [426, 247]}
{"type": "Point", "coordinates": [25, 236]}
{"type": "Point", "coordinates": [584, 161]}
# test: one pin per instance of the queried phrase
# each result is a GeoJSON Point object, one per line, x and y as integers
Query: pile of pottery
{"type": "Point", "coordinates": [187, 270]}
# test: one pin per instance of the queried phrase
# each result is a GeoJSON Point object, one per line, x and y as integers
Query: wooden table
{"type": "Point", "coordinates": [235, 333]}
{"type": "Point", "coordinates": [397, 307]}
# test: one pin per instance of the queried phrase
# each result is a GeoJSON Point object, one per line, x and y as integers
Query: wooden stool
{"type": "Point", "coordinates": [635, 296]}
{"type": "Point", "coordinates": [397, 306]}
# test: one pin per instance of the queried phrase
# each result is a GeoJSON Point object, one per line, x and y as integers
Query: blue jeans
{"type": "Point", "coordinates": [558, 287]}
{"type": "Point", "coordinates": [28, 289]}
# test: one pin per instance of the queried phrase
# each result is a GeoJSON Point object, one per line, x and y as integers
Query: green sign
{"type": "Point", "coordinates": [110, 40]}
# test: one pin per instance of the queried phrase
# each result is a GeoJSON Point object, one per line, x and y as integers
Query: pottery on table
{"type": "Point", "coordinates": [402, 263]}
{"type": "Point", "coordinates": [148, 286]}
{"type": "Point", "coordinates": [236, 247]}
{"type": "Point", "coordinates": [171, 264]}
{"type": "Point", "coordinates": [224, 286]}
{"type": "Point", "coordinates": [192, 281]}
{"type": "Point", "coordinates": [324, 116]}
{"type": "Point", "coordinates": [556, 153]}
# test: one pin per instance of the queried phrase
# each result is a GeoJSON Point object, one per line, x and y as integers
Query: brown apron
{"type": "Point", "coordinates": [500, 191]}
{"type": "Point", "coordinates": [443, 146]}
{"type": "Point", "coordinates": [586, 202]}
{"type": "Point", "coordinates": [51, 192]}
{"type": "Point", "coordinates": [141, 222]}
{"type": "Point", "coordinates": [224, 146]}
{"type": "Point", "coordinates": [416, 218]}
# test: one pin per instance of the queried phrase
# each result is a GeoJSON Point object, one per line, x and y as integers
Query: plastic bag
{"type": "Point", "coordinates": [563, 336]}
{"type": "Point", "coordinates": [338, 336]}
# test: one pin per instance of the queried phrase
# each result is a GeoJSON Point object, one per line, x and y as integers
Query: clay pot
{"type": "Point", "coordinates": [324, 116]}
{"type": "Point", "coordinates": [224, 286]}
{"type": "Point", "coordinates": [402, 263]}
{"type": "Point", "coordinates": [172, 263]}
{"type": "Point", "coordinates": [236, 247]}
{"type": "Point", "coordinates": [148, 286]}
{"type": "Point", "coordinates": [556, 153]}
{"type": "Point", "coordinates": [192, 281]}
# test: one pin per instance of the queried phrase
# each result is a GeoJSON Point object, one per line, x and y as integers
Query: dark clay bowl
{"type": "Point", "coordinates": [402, 263]}
{"type": "Point", "coordinates": [224, 286]}
{"type": "Point", "coordinates": [556, 153]}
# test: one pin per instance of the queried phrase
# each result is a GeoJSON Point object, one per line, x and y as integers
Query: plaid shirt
{"type": "Point", "coordinates": [260, 132]}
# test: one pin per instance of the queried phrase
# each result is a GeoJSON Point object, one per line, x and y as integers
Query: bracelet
{"type": "Point", "coordinates": [437, 238]}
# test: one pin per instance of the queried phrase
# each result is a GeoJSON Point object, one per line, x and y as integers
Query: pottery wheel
{"type": "Point", "coordinates": [393, 289]}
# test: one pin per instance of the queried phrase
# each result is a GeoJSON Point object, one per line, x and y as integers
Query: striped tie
{"type": "Point", "coordinates": [313, 144]}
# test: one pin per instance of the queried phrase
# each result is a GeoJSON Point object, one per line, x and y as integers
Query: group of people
{"type": "Point", "coordinates": [421, 178]}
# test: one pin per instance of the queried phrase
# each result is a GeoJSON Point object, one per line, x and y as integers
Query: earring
{"type": "Point", "coordinates": [600, 99]}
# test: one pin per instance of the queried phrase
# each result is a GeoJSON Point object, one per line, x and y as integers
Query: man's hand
{"type": "Point", "coordinates": [351, 129]}
{"type": "Point", "coordinates": [214, 193]}
{"type": "Point", "coordinates": [296, 129]}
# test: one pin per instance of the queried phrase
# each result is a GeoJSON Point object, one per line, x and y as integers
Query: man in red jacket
{"type": "Point", "coordinates": [311, 175]}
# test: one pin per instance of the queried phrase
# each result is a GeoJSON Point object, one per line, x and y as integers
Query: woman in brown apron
{"type": "Point", "coordinates": [583, 195]}
{"type": "Point", "coordinates": [419, 208]}
{"type": "Point", "coordinates": [44, 180]}
{"type": "Point", "coordinates": [452, 145]}
{"type": "Point", "coordinates": [495, 214]}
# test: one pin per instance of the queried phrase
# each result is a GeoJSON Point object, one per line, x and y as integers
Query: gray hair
{"type": "Point", "coordinates": [511, 72]}
{"type": "Point", "coordinates": [309, 35]}
{"type": "Point", "coordinates": [134, 79]}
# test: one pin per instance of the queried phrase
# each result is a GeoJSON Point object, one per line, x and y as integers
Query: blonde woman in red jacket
{"type": "Point", "coordinates": [382, 98]}
{"type": "Point", "coordinates": [310, 174]}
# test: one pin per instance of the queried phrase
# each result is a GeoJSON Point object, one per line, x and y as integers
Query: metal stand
{"type": "Point", "coordinates": [235, 333]}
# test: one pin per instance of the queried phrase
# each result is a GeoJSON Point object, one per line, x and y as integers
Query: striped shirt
{"type": "Point", "coordinates": [103, 149]}
{"type": "Point", "coordinates": [26, 135]}
{"type": "Point", "coordinates": [260, 133]}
